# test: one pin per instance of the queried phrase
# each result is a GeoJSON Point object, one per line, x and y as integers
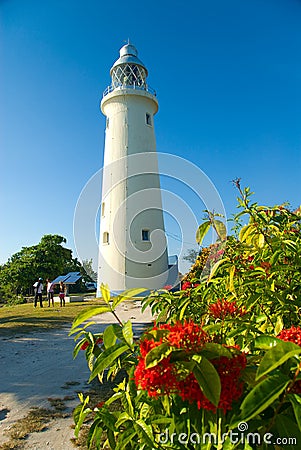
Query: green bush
{"type": "Point", "coordinates": [7, 296]}
{"type": "Point", "coordinates": [222, 370]}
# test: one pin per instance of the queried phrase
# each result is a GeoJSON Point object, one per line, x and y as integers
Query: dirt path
{"type": "Point", "coordinates": [38, 366]}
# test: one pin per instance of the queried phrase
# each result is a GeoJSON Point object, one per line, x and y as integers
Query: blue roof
{"type": "Point", "coordinates": [70, 278]}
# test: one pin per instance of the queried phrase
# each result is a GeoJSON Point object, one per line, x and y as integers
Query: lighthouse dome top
{"type": "Point", "coordinates": [128, 49]}
{"type": "Point", "coordinates": [128, 55]}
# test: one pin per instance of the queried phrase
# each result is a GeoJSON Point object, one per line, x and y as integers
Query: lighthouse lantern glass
{"type": "Point", "coordinates": [129, 75]}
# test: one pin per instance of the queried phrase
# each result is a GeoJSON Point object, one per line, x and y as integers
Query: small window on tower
{"type": "Point", "coordinates": [107, 122]}
{"type": "Point", "coordinates": [148, 119]}
{"type": "Point", "coordinates": [103, 209]}
{"type": "Point", "coordinates": [105, 237]}
{"type": "Point", "coordinates": [145, 235]}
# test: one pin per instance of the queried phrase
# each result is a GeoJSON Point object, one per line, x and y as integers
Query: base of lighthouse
{"type": "Point", "coordinates": [119, 282]}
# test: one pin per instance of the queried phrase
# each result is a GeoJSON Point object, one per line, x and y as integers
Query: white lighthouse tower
{"type": "Point", "coordinates": [132, 244]}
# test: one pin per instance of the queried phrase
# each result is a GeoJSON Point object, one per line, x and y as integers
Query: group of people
{"type": "Point", "coordinates": [38, 288]}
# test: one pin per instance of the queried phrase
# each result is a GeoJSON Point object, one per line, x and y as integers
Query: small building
{"type": "Point", "coordinates": [70, 279]}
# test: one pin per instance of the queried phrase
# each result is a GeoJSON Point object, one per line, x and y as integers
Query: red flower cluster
{"type": "Point", "coordinates": [165, 377]}
{"type": "Point", "coordinates": [293, 334]}
{"type": "Point", "coordinates": [223, 308]}
{"type": "Point", "coordinates": [188, 336]}
{"type": "Point", "coordinates": [229, 370]}
{"type": "Point", "coordinates": [167, 287]}
{"type": "Point", "coordinates": [187, 285]}
{"type": "Point", "coordinates": [215, 256]}
{"type": "Point", "coordinates": [159, 380]}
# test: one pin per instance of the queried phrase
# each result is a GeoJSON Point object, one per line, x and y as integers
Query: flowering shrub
{"type": "Point", "coordinates": [169, 376]}
{"type": "Point", "coordinates": [223, 308]}
{"type": "Point", "coordinates": [225, 350]}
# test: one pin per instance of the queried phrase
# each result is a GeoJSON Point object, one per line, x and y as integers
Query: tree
{"type": "Point", "coordinates": [88, 267]}
{"type": "Point", "coordinates": [48, 259]}
{"type": "Point", "coordinates": [191, 255]}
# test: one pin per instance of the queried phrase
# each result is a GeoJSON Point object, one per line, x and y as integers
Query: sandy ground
{"type": "Point", "coordinates": [38, 366]}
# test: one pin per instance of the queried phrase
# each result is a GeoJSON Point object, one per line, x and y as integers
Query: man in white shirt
{"type": "Point", "coordinates": [38, 287]}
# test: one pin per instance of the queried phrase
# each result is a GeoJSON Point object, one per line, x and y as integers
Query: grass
{"type": "Point", "coordinates": [25, 318]}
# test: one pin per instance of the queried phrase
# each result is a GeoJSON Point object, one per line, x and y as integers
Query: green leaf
{"type": "Point", "coordinates": [220, 229]}
{"type": "Point", "coordinates": [127, 332]}
{"type": "Point", "coordinates": [212, 350]}
{"type": "Point", "coordinates": [105, 292]}
{"type": "Point", "coordinates": [231, 279]}
{"type": "Point", "coordinates": [296, 403]}
{"type": "Point", "coordinates": [87, 313]}
{"type": "Point", "coordinates": [107, 358]}
{"type": "Point", "coordinates": [79, 415]}
{"type": "Point", "coordinates": [275, 257]}
{"type": "Point", "coordinates": [263, 395]}
{"type": "Point", "coordinates": [287, 429]}
{"type": "Point", "coordinates": [145, 431]}
{"type": "Point", "coordinates": [216, 266]}
{"type": "Point", "coordinates": [165, 400]}
{"type": "Point", "coordinates": [245, 231]}
{"type": "Point", "coordinates": [183, 308]}
{"type": "Point", "coordinates": [111, 439]}
{"type": "Point", "coordinates": [118, 331]}
{"type": "Point", "coordinates": [279, 325]}
{"type": "Point", "coordinates": [144, 410]}
{"type": "Point", "coordinates": [125, 438]}
{"type": "Point", "coordinates": [156, 334]}
{"type": "Point", "coordinates": [202, 231]}
{"type": "Point", "coordinates": [109, 337]}
{"type": "Point", "coordinates": [126, 295]}
{"type": "Point", "coordinates": [208, 378]}
{"type": "Point", "coordinates": [266, 342]}
{"type": "Point", "coordinates": [108, 418]}
{"type": "Point", "coordinates": [260, 241]}
{"type": "Point", "coordinates": [157, 354]}
{"type": "Point", "coordinates": [161, 419]}
{"type": "Point", "coordinates": [276, 356]}
{"type": "Point", "coordinates": [123, 417]}
{"type": "Point", "coordinates": [78, 347]}
{"type": "Point", "coordinates": [95, 433]}
{"type": "Point", "coordinates": [129, 404]}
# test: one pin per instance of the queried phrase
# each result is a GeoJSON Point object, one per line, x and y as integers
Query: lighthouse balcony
{"type": "Point", "coordinates": [136, 86]}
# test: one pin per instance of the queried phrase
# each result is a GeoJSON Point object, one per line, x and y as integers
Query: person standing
{"type": "Point", "coordinates": [50, 290]}
{"type": "Point", "coordinates": [62, 293]}
{"type": "Point", "coordinates": [38, 287]}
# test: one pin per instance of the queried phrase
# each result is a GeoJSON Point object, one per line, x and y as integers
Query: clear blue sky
{"type": "Point", "coordinates": [228, 79]}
